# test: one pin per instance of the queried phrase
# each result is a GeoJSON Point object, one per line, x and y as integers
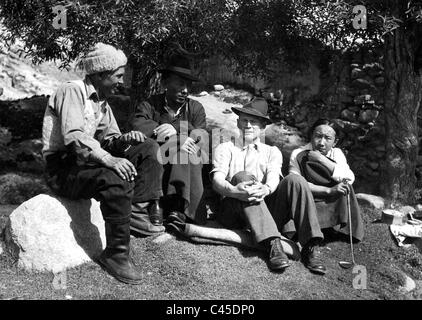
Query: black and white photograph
{"type": "Point", "coordinates": [210, 155]}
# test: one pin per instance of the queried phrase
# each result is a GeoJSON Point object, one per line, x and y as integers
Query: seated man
{"type": "Point", "coordinates": [247, 174]}
{"type": "Point", "coordinates": [330, 179]}
{"type": "Point", "coordinates": [171, 117]}
{"type": "Point", "coordinates": [87, 156]}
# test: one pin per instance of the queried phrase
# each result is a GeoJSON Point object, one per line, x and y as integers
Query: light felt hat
{"type": "Point", "coordinates": [258, 107]}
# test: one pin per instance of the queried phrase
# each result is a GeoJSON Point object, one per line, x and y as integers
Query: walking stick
{"type": "Point", "coordinates": [348, 264]}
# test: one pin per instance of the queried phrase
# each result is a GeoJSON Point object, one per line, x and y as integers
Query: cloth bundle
{"type": "Point", "coordinates": [213, 233]}
{"type": "Point", "coordinates": [412, 229]}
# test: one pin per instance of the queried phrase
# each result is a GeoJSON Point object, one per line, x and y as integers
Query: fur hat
{"type": "Point", "coordinates": [102, 57]}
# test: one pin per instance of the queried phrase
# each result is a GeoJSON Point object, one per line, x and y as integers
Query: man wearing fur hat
{"type": "Point", "coordinates": [88, 157]}
{"type": "Point", "coordinates": [170, 118]}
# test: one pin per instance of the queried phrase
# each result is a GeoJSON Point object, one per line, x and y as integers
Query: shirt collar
{"type": "Point", "coordinates": [257, 145]}
{"type": "Point", "coordinates": [179, 110]}
{"type": "Point", "coordinates": [92, 94]}
{"type": "Point", "coordinates": [161, 104]}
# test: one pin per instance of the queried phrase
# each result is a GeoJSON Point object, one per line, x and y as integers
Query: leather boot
{"type": "Point", "coordinates": [311, 257]}
{"type": "Point", "coordinates": [115, 258]}
{"type": "Point", "coordinates": [156, 213]}
{"type": "Point", "coordinates": [140, 222]}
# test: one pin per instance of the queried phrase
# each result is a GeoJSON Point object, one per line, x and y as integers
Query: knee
{"type": "Point", "coordinates": [149, 147]}
{"type": "Point", "coordinates": [151, 144]}
{"type": "Point", "coordinates": [242, 176]}
{"type": "Point", "coordinates": [116, 186]}
{"type": "Point", "coordinates": [295, 180]}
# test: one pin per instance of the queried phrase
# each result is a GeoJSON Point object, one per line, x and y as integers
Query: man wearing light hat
{"type": "Point", "coordinates": [247, 174]}
{"type": "Point", "coordinates": [88, 157]}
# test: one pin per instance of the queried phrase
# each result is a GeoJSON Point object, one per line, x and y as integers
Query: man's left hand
{"type": "Point", "coordinates": [189, 146]}
{"type": "Point", "coordinates": [164, 131]}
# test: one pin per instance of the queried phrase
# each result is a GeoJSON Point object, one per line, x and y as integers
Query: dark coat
{"type": "Point", "coordinates": [183, 180]}
{"type": "Point", "coordinates": [151, 113]}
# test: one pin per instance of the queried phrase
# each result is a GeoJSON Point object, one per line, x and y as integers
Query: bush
{"type": "Point", "coordinates": [16, 188]}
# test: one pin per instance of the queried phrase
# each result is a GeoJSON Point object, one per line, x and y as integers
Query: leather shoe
{"type": "Point", "coordinates": [311, 257]}
{"type": "Point", "coordinates": [278, 259]}
{"type": "Point", "coordinates": [176, 216]}
{"type": "Point", "coordinates": [140, 223]}
{"type": "Point", "coordinates": [176, 226]}
{"type": "Point", "coordinates": [156, 213]}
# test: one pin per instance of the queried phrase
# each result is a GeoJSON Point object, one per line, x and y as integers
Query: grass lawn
{"type": "Point", "coordinates": [177, 270]}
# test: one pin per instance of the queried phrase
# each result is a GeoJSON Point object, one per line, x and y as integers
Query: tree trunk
{"type": "Point", "coordinates": [145, 82]}
{"type": "Point", "coordinates": [402, 100]}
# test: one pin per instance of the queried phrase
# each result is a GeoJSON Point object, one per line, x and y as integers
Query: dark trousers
{"type": "Point", "coordinates": [293, 208]}
{"type": "Point", "coordinates": [290, 209]}
{"type": "Point", "coordinates": [148, 182]}
{"type": "Point", "coordinates": [114, 194]}
{"type": "Point", "coordinates": [184, 191]}
{"type": "Point", "coordinates": [333, 212]}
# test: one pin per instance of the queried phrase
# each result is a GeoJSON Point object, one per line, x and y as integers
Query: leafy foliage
{"type": "Point", "coordinates": [253, 34]}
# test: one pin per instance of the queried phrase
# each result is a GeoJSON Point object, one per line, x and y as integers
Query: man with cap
{"type": "Point", "coordinates": [173, 118]}
{"type": "Point", "coordinates": [247, 172]}
{"type": "Point", "coordinates": [88, 157]}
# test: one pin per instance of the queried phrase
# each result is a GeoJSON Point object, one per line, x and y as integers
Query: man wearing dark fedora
{"type": "Point", "coordinates": [247, 174]}
{"type": "Point", "coordinates": [166, 117]}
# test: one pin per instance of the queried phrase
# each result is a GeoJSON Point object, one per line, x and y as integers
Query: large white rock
{"type": "Point", "coordinates": [49, 233]}
{"type": "Point", "coordinates": [375, 202]}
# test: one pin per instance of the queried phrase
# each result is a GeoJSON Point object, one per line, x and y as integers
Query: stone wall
{"type": "Point", "coordinates": [305, 81]}
{"type": "Point", "coordinates": [351, 93]}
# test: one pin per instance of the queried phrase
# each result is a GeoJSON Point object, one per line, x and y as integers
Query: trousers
{"type": "Point", "coordinates": [115, 195]}
{"type": "Point", "coordinates": [290, 209]}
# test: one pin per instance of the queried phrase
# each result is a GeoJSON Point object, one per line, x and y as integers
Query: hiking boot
{"type": "Point", "coordinates": [311, 257]}
{"type": "Point", "coordinates": [277, 259]}
{"type": "Point", "coordinates": [115, 258]}
{"type": "Point", "coordinates": [156, 213]}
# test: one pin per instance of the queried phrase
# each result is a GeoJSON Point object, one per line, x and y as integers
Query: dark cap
{"type": "Point", "coordinates": [180, 66]}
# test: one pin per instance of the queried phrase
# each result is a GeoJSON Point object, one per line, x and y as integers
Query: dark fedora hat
{"type": "Point", "coordinates": [257, 107]}
{"type": "Point", "coordinates": [179, 65]}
